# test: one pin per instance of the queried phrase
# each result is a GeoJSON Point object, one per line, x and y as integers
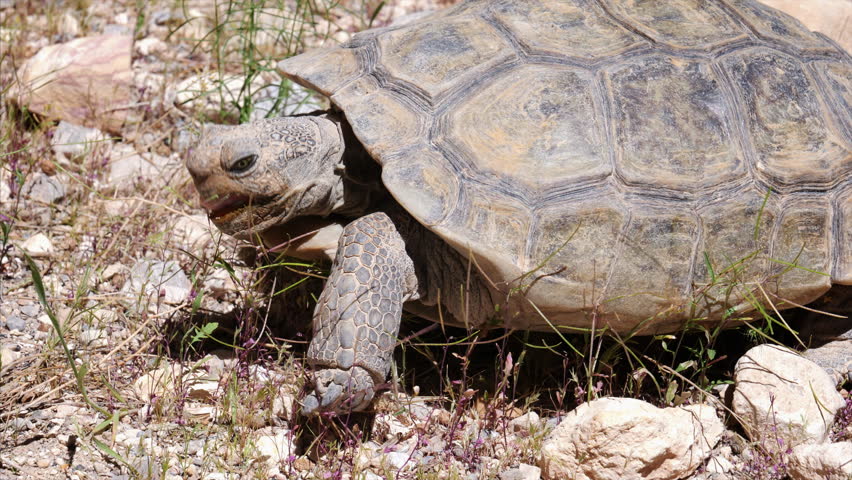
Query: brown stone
{"type": "Point", "coordinates": [85, 81]}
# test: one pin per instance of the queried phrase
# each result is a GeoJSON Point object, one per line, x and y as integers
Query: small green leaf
{"type": "Point", "coordinates": [671, 391]}
{"type": "Point", "coordinates": [204, 332]}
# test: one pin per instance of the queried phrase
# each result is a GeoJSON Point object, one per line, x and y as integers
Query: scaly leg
{"type": "Point", "coordinates": [357, 317]}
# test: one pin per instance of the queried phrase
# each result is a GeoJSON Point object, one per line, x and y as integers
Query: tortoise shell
{"type": "Point", "coordinates": [645, 161]}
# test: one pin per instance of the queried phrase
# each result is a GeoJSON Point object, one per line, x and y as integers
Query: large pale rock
{"type": "Point", "coordinates": [830, 461]}
{"type": "Point", "coordinates": [831, 17]}
{"type": "Point", "coordinates": [780, 393]}
{"type": "Point", "coordinates": [625, 438]}
{"type": "Point", "coordinates": [85, 81]}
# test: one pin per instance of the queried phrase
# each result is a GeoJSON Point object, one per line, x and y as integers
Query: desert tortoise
{"type": "Point", "coordinates": [545, 165]}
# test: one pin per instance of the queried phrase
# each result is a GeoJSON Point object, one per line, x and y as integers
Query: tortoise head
{"type": "Point", "coordinates": [254, 176]}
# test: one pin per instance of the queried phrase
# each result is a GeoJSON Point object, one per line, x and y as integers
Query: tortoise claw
{"type": "Point", "coordinates": [339, 391]}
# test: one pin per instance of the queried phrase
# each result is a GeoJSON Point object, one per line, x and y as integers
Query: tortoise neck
{"type": "Point", "coordinates": [360, 189]}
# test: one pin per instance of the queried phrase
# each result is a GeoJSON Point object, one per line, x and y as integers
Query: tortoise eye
{"type": "Point", "coordinates": [243, 163]}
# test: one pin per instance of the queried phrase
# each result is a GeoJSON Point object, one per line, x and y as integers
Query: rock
{"type": "Point", "coordinates": [5, 195]}
{"type": "Point", "coordinates": [276, 446]}
{"type": "Point", "coordinates": [38, 245]}
{"type": "Point", "coordinates": [521, 472]}
{"type": "Point", "coordinates": [86, 81]}
{"type": "Point", "coordinates": [830, 461]}
{"type": "Point", "coordinates": [7, 356]}
{"type": "Point", "coordinates": [194, 232]}
{"type": "Point", "coordinates": [68, 26]}
{"type": "Point", "coordinates": [397, 460]}
{"type": "Point", "coordinates": [149, 46]}
{"type": "Point", "coordinates": [73, 141]}
{"type": "Point", "coordinates": [214, 95]}
{"type": "Point", "coordinates": [14, 322]}
{"type": "Point", "coordinates": [31, 310]}
{"type": "Point", "coordinates": [164, 280]}
{"type": "Point", "coordinates": [778, 393]}
{"type": "Point", "coordinates": [831, 17]}
{"type": "Point", "coordinates": [93, 336]}
{"type": "Point", "coordinates": [126, 166]}
{"type": "Point", "coordinates": [615, 438]}
{"type": "Point", "coordinates": [113, 270]}
{"type": "Point", "coordinates": [526, 422]}
{"type": "Point", "coordinates": [157, 382]}
{"type": "Point", "coordinates": [282, 405]}
{"type": "Point", "coordinates": [44, 188]}
{"type": "Point", "coordinates": [388, 427]}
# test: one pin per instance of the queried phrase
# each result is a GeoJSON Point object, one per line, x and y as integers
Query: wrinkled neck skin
{"type": "Point", "coordinates": [312, 218]}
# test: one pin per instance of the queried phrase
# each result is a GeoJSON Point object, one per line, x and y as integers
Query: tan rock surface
{"type": "Point", "coordinates": [85, 81]}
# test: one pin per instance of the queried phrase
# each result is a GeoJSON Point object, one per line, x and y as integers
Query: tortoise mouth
{"type": "Point", "coordinates": [224, 208]}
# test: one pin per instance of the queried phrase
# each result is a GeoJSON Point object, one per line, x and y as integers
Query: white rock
{"type": "Point", "coordinates": [526, 422]}
{"type": "Point", "coordinates": [92, 336]}
{"type": "Point", "coordinates": [398, 460]}
{"type": "Point", "coordinates": [154, 280]}
{"type": "Point", "coordinates": [389, 427]}
{"type": "Point", "coordinates": [5, 191]}
{"type": "Point", "coordinates": [194, 232]}
{"type": "Point", "coordinates": [617, 438]}
{"type": "Point", "coordinates": [113, 270]}
{"type": "Point", "coordinates": [149, 45]}
{"type": "Point", "coordinates": [38, 245]}
{"type": "Point", "coordinates": [68, 25]}
{"type": "Point", "coordinates": [7, 356]}
{"type": "Point", "coordinates": [126, 166]}
{"type": "Point", "coordinates": [780, 393]}
{"type": "Point", "coordinates": [719, 464]}
{"type": "Point", "coordinates": [282, 405]}
{"type": "Point", "coordinates": [158, 382]}
{"type": "Point", "coordinates": [44, 188]}
{"type": "Point", "coordinates": [521, 472]}
{"type": "Point", "coordinates": [276, 446]}
{"type": "Point", "coordinates": [204, 391]}
{"type": "Point", "coordinates": [73, 141]}
{"type": "Point", "coordinates": [829, 461]}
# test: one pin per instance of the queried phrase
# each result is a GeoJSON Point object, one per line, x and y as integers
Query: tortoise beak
{"type": "Point", "coordinates": [218, 207]}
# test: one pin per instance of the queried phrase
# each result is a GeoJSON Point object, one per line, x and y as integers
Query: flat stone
{"type": "Point", "coordinates": [161, 280]}
{"type": "Point", "coordinates": [126, 166]}
{"type": "Point", "coordinates": [15, 323]}
{"type": "Point", "coordinates": [149, 46]}
{"type": "Point", "coordinates": [31, 310]}
{"type": "Point", "coordinates": [521, 472]}
{"type": "Point", "coordinates": [38, 245]}
{"type": "Point", "coordinates": [86, 81]}
{"type": "Point", "coordinates": [44, 188]}
{"type": "Point", "coordinates": [7, 356]}
{"type": "Point", "coordinates": [74, 141]}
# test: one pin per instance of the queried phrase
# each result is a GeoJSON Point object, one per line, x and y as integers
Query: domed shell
{"type": "Point", "coordinates": [645, 162]}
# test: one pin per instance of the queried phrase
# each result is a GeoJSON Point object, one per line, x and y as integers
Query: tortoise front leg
{"type": "Point", "coordinates": [357, 317]}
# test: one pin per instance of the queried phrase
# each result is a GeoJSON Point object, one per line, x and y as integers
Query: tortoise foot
{"type": "Point", "coordinates": [339, 391]}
